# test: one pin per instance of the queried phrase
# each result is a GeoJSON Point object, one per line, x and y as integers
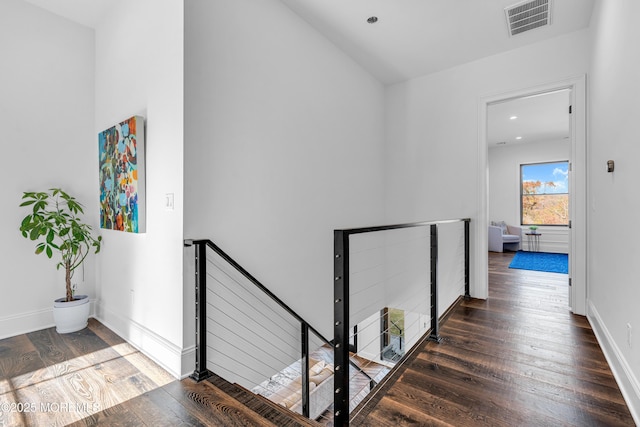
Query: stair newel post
{"type": "Point", "coordinates": [467, 290]}
{"type": "Point", "coordinates": [341, 328]}
{"type": "Point", "coordinates": [304, 327]}
{"type": "Point", "coordinates": [201, 372]}
{"type": "Point", "coordinates": [435, 327]}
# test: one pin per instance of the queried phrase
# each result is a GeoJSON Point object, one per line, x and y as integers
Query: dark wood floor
{"type": "Point", "coordinates": [93, 377]}
{"type": "Point", "coordinates": [51, 379]}
{"type": "Point", "coordinates": [518, 359]}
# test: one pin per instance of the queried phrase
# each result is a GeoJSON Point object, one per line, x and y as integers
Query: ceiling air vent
{"type": "Point", "coordinates": [528, 15]}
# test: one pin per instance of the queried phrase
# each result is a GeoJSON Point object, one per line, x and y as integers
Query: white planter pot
{"type": "Point", "coordinates": [71, 316]}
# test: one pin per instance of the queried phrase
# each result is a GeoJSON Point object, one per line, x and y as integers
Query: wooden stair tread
{"type": "Point", "coordinates": [262, 406]}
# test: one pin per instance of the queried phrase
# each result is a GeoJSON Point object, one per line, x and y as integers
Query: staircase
{"type": "Point", "coordinates": [393, 352]}
{"type": "Point", "coordinates": [227, 404]}
{"type": "Point", "coordinates": [247, 335]}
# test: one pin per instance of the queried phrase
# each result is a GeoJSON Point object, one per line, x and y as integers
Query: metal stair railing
{"type": "Point", "coordinates": [343, 299]}
{"type": "Point", "coordinates": [202, 275]}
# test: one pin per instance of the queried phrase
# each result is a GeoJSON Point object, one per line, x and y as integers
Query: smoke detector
{"type": "Point", "coordinates": [527, 15]}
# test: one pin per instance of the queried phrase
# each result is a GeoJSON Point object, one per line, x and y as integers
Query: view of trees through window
{"type": "Point", "coordinates": [544, 189]}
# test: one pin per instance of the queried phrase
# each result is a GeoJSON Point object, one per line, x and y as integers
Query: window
{"type": "Point", "coordinates": [544, 193]}
{"type": "Point", "coordinates": [392, 334]}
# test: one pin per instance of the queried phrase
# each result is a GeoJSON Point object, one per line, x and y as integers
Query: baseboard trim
{"type": "Point", "coordinates": [165, 353]}
{"type": "Point", "coordinates": [628, 383]}
{"type": "Point", "coordinates": [179, 362]}
{"type": "Point", "coordinates": [30, 321]}
{"type": "Point", "coordinates": [188, 361]}
{"type": "Point", "coordinates": [24, 323]}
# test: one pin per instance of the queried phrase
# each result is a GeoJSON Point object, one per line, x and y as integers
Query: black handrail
{"type": "Point", "coordinates": [255, 282]}
{"type": "Point", "coordinates": [361, 230]}
{"type": "Point", "coordinates": [201, 372]}
{"type": "Point", "coordinates": [341, 301]}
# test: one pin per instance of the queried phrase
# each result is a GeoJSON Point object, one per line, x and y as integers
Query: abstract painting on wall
{"type": "Point", "coordinates": [122, 181]}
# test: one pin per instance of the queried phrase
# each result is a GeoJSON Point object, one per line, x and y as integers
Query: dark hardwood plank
{"type": "Point", "coordinates": [105, 334]}
{"type": "Point", "coordinates": [118, 415]}
{"type": "Point", "coordinates": [222, 409]}
{"type": "Point", "coordinates": [50, 346]}
{"type": "Point", "coordinates": [155, 408]}
{"type": "Point", "coordinates": [391, 413]}
{"type": "Point", "coordinates": [536, 400]}
{"type": "Point", "coordinates": [568, 378]}
{"type": "Point", "coordinates": [84, 342]}
{"type": "Point", "coordinates": [18, 356]}
{"type": "Point", "coordinates": [261, 405]}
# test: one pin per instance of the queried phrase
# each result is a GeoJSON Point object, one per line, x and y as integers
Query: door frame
{"type": "Point", "coordinates": [578, 215]}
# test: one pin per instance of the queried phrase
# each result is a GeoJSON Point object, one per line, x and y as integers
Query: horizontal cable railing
{"type": "Point", "coordinates": [248, 336]}
{"type": "Point", "coordinates": [388, 284]}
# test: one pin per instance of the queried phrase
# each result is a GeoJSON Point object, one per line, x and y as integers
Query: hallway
{"type": "Point", "coordinates": [519, 358]}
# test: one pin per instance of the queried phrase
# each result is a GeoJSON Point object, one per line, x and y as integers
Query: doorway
{"type": "Point", "coordinates": [575, 89]}
{"type": "Point", "coordinates": [529, 151]}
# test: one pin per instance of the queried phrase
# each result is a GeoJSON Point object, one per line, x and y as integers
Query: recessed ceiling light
{"type": "Point", "coordinates": [513, 117]}
{"type": "Point", "coordinates": [372, 19]}
{"type": "Point", "coordinates": [518, 137]}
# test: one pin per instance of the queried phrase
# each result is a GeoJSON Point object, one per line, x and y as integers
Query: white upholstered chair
{"type": "Point", "coordinates": [504, 237]}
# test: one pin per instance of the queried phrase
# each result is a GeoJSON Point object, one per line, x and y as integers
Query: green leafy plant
{"type": "Point", "coordinates": [55, 222]}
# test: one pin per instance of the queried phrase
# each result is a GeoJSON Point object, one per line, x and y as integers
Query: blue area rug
{"type": "Point", "coordinates": [541, 261]}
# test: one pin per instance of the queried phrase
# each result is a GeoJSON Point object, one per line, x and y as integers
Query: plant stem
{"type": "Point", "coordinates": [68, 280]}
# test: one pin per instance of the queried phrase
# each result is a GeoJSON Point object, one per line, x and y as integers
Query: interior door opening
{"type": "Point", "coordinates": [578, 180]}
{"type": "Point", "coordinates": [529, 156]}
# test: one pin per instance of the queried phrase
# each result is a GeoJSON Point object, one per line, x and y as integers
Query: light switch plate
{"type": "Point", "coordinates": [168, 202]}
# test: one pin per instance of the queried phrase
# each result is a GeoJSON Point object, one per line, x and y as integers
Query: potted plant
{"type": "Point", "coordinates": [54, 221]}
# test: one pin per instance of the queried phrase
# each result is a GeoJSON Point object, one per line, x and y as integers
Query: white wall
{"type": "Point", "coordinates": [46, 116]}
{"type": "Point", "coordinates": [392, 269]}
{"type": "Point", "coordinates": [504, 186]}
{"type": "Point", "coordinates": [613, 291]}
{"type": "Point", "coordinates": [283, 142]}
{"type": "Point", "coordinates": [432, 130]}
{"type": "Point", "coordinates": [139, 71]}
{"type": "Point", "coordinates": [369, 337]}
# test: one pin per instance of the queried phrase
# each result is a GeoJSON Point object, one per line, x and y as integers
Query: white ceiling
{"type": "Point", "coordinates": [542, 117]}
{"type": "Point", "coordinates": [85, 12]}
{"type": "Point", "coordinates": [411, 38]}
{"type": "Point", "coordinates": [417, 37]}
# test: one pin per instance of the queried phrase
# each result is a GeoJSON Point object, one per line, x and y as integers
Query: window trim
{"type": "Point", "coordinates": [522, 194]}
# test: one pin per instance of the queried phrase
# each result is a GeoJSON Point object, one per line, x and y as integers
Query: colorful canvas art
{"type": "Point", "coordinates": [122, 201]}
